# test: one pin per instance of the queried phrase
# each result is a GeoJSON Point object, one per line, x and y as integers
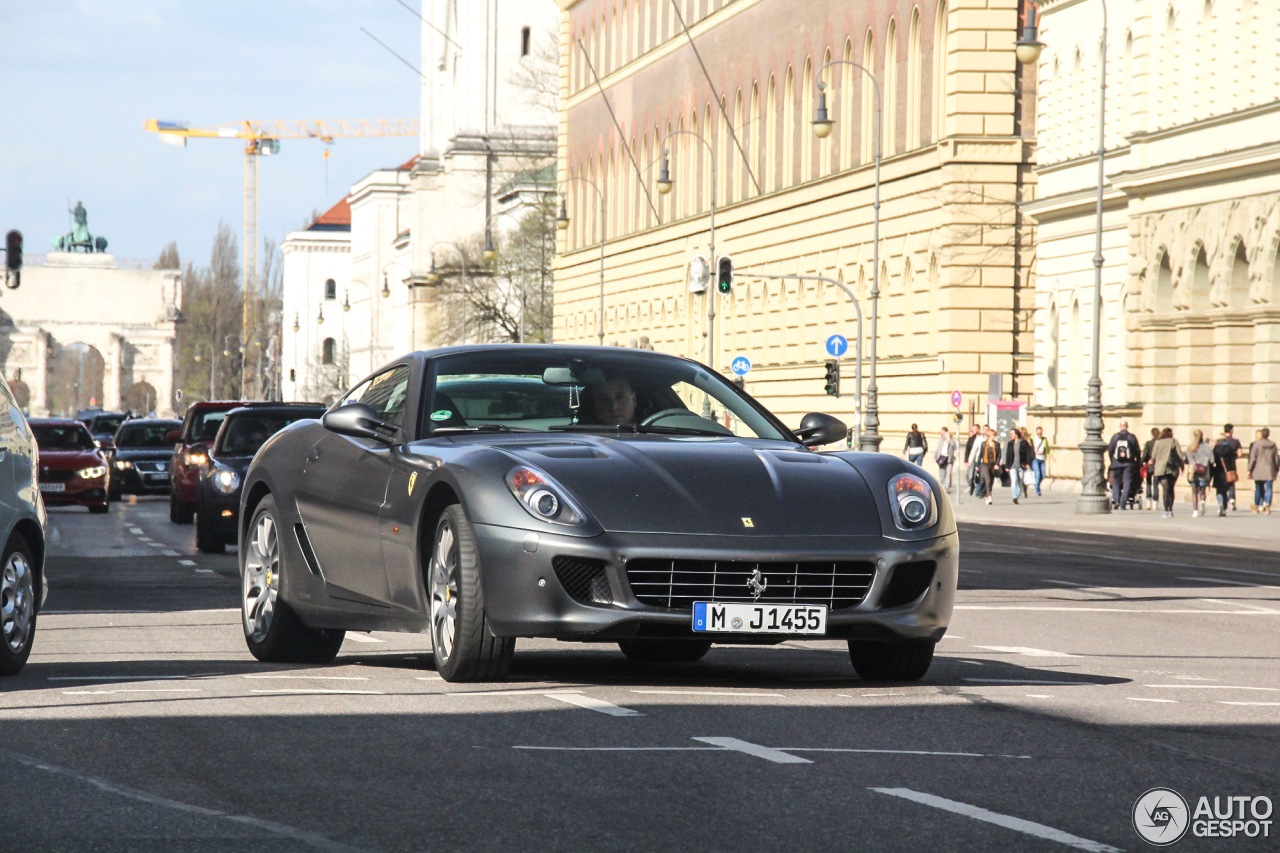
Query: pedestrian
{"type": "Point", "coordinates": [945, 457]}
{"type": "Point", "coordinates": [1149, 474]}
{"type": "Point", "coordinates": [917, 446]}
{"type": "Point", "coordinates": [971, 460]}
{"type": "Point", "coordinates": [1040, 449]}
{"type": "Point", "coordinates": [1263, 464]}
{"type": "Point", "coordinates": [1233, 445]}
{"type": "Point", "coordinates": [1017, 459]}
{"type": "Point", "coordinates": [1223, 473]}
{"type": "Point", "coordinates": [1123, 454]}
{"type": "Point", "coordinates": [1167, 461]}
{"type": "Point", "coordinates": [988, 454]}
{"type": "Point", "coordinates": [1199, 461]}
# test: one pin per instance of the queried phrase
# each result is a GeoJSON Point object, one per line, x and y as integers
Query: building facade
{"type": "Point", "coordinates": [954, 250]}
{"type": "Point", "coordinates": [1190, 332]}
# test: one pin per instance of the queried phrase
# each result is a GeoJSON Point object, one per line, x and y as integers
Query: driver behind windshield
{"type": "Point", "coordinates": [614, 401]}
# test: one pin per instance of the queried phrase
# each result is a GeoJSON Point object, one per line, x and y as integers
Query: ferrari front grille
{"type": "Point", "coordinates": [677, 584]}
{"type": "Point", "coordinates": [585, 580]}
{"type": "Point", "coordinates": [908, 582]}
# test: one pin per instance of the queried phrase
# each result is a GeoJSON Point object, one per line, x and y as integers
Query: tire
{"type": "Point", "coordinates": [18, 605]}
{"type": "Point", "coordinates": [665, 651]}
{"type": "Point", "coordinates": [179, 513]}
{"type": "Point", "coordinates": [895, 660]}
{"type": "Point", "coordinates": [100, 510]}
{"type": "Point", "coordinates": [208, 541]}
{"type": "Point", "coordinates": [272, 631]}
{"type": "Point", "coordinates": [462, 644]}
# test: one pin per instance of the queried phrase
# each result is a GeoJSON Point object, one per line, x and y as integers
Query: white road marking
{"type": "Point", "coordinates": [1026, 651]}
{"type": "Point", "coordinates": [1268, 704]}
{"type": "Point", "coordinates": [295, 690]}
{"type": "Point", "coordinates": [710, 693]}
{"type": "Point", "coordinates": [1065, 583]}
{"type": "Point", "coordinates": [1142, 699]}
{"type": "Point", "coordinates": [898, 752]}
{"type": "Point", "coordinates": [204, 571]}
{"type": "Point", "coordinates": [186, 562]}
{"type": "Point", "coordinates": [169, 552]}
{"type": "Point", "coordinates": [309, 838]}
{"type": "Point", "coordinates": [1230, 583]}
{"type": "Point", "coordinates": [951, 637]}
{"type": "Point", "coordinates": [313, 677]}
{"type": "Point", "coordinates": [155, 544]}
{"type": "Point", "coordinates": [1039, 695]}
{"type": "Point", "coordinates": [1241, 604]}
{"type": "Point", "coordinates": [1029, 681]}
{"type": "Point", "coordinates": [1114, 558]}
{"type": "Point", "coordinates": [593, 704]}
{"type": "Point", "coordinates": [1039, 830]}
{"type": "Point", "coordinates": [136, 531]}
{"type": "Point", "coordinates": [774, 755]}
{"type": "Point", "coordinates": [429, 678]}
{"type": "Point", "coordinates": [132, 690]}
{"type": "Point", "coordinates": [123, 677]}
{"type": "Point", "coordinates": [145, 539]}
{"type": "Point", "coordinates": [1117, 610]}
{"type": "Point", "coordinates": [623, 748]}
{"type": "Point", "coordinates": [361, 638]}
{"type": "Point", "coordinates": [1214, 687]}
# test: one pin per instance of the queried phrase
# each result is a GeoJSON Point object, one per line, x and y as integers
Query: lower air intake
{"type": "Point", "coordinates": [585, 580]}
{"type": "Point", "coordinates": [909, 582]}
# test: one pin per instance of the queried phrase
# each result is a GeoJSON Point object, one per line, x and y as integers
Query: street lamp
{"type": "Point", "coordinates": [434, 277]}
{"type": "Point", "coordinates": [1093, 499]}
{"type": "Point", "coordinates": [209, 344]}
{"type": "Point", "coordinates": [562, 222]}
{"type": "Point", "coordinates": [822, 125]}
{"type": "Point", "coordinates": [346, 306]}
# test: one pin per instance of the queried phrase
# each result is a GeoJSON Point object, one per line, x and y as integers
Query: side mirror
{"type": "Point", "coordinates": [358, 420]}
{"type": "Point", "coordinates": [173, 436]}
{"type": "Point", "coordinates": [818, 429]}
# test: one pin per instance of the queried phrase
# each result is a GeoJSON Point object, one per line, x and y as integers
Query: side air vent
{"type": "Point", "coordinates": [908, 582]}
{"type": "Point", "coordinates": [304, 545]}
{"type": "Point", "coordinates": [585, 580]}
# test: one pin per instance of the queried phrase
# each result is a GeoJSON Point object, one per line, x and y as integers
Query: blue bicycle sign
{"type": "Point", "coordinates": [740, 366]}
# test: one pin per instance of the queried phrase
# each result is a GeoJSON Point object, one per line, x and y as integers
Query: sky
{"type": "Point", "coordinates": [79, 78]}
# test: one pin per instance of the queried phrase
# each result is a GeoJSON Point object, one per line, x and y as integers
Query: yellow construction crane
{"type": "Point", "coordinates": [262, 138]}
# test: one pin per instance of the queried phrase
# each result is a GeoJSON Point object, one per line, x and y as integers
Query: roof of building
{"type": "Point", "coordinates": [336, 218]}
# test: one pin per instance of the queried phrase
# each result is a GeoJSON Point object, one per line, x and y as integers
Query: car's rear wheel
{"type": "Point", "coordinates": [894, 660]}
{"type": "Point", "coordinates": [17, 605]}
{"type": "Point", "coordinates": [665, 651]}
{"type": "Point", "coordinates": [273, 632]}
{"type": "Point", "coordinates": [179, 513]}
{"type": "Point", "coordinates": [208, 540]}
{"type": "Point", "coordinates": [464, 647]}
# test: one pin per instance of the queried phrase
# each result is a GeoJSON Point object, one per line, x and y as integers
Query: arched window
{"type": "Point", "coordinates": [868, 99]}
{"type": "Point", "coordinates": [1164, 285]}
{"type": "Point", "coordinates": [939, 94]}
{"type": "Point", "coordinates": [328, 351]}
{"type": "Point", "coordinates": [1074, 353]}
{"type": "Point", "coordinates": [1051, 369]}
{"type": "Point", "coordinates": [1240, 278]}
{"type": "Point", "coordinates": [1200, 282]}
{"type": "Point", "coordinates": [788, 129]}
{"type": "Point", "coordinates": [769, 173]}
{"type": "Point", "coordinates": [330, 289]}
{"type": "Point", "coordinates": [525, 35]}
{"type": "Point", "coordinates": [914, 107]}
{"type": "Point", "coordinates": [890, 77]}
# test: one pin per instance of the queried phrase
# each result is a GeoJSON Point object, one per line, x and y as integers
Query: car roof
{"type": "Point", "coordinates": [57, 422]}
{"type": "Point", "coordinates": [135, 421]}
{"type": "Point", "coordinates": [215, 405]}
{"type": "Point", "coordinates": [278, 408]}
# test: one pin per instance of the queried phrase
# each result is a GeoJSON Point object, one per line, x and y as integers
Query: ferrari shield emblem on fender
{"type": "Point", "coordinates": [413, 479]}
{"type": "Point", "coordinates": [746, 522]}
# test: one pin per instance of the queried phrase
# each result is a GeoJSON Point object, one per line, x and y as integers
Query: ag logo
{"type": "Point", "coordinates": [1161, 816]}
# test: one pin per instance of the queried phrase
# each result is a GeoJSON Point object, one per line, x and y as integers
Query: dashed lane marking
{"type": "Point", "coordinates": [591, 703]}
{"type": "Point", "coordinates": [1144, 699]}
{"type": "Point", "coordinates": [127, 677]}
{"type": "Point", "coordinates": [313, 677]}
{"type": "Point", "coordinates": [1026, 651]}
{"type": "Point", "coordinates": [132, 690]}
{"type": "Point", "coordinates": [169, 552]}
{"type": "Point", "coordinates": [363, 638]}
{"type": "Point", "coordinates": [1241, 604]}
{"type": "Point", "coordinates": [1213, 687]}
{"type": "Point", "coordinates": [779, 755]}
{"type": "Point", "coordinates": [1038, 830]}
{"type": "Point", "coordinates": [711, 693]}
{"type": "Point", "coordinates": [1226, 582]}
{"type": "Point", "coordinates": [293, 691]}
{"type": "Point", "coordinates": [204, 571]}
{"type": "Point", "coordinates": [186, 562]}
{"type": "Point", "coordinates": [1267, 704]}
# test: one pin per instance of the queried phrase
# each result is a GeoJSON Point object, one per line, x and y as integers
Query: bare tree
{"type": "Point", "coordinates": [209, 342]}
{"type": "Point", "coordinates": [169, 259]}
{"type": "Point", "coordinates": [537, 76]}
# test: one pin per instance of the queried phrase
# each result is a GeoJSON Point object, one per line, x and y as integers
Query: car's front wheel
{"type": "Point", "coordinates": [17, 605]}
{"type": "Point", "coordinates": [893, 660]}
{"type": "Point", "coordinates": [273, 632]}
{"type": "Point", "coordinates": [665, 651]}
{"type": "Point", "coordinates": [461, 642]}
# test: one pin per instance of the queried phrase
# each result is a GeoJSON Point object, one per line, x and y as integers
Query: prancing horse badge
{"type": "Point", "coordinates": [746, 522]}
{"type": "Point", "coordinates": [413, 479]}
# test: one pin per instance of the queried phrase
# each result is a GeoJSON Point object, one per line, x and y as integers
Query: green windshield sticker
{"type": "Point", "coordinates": [442, 415]}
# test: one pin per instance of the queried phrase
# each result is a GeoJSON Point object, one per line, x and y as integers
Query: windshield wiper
{"type": "Point", "coordinates": [594, 427]}
{"type": "Point", "coordinates": [480, 428]}
{"type": "Point", "coordinates": [635, 428]}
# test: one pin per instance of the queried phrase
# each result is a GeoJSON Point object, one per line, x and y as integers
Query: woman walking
{"type": "Point", "coordinates": [1017, 458]}
{"type": "Point", "coordinates": [1263, 465]}
{"type": "Point", "coordinates": [1040, 447]}
{"type": "Point", "coordinates": [1200, 460]}
{"type": "Point", "coordinates": [1223, 473]}
{"type": "Point", "coordinates": [1167, 461]}
{"type": "Point", "coordinates": [917, 445]}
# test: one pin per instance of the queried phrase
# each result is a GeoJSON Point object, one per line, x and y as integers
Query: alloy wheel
{"type": "Point", "coordinates": [444, 589]}
{"type": "Point", "coordinates": [17, 601]}
{"type": "Point", "coordinates": [261, 582]}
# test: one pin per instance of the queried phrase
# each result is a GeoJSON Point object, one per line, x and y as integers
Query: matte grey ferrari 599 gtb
{"type": "Point", "coordinates": [487, 493]}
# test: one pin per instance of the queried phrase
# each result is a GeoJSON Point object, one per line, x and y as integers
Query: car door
{"type": "Point", "coordinates": [341, 492]}
{"type": "Point", "coordinates": [11, 447]}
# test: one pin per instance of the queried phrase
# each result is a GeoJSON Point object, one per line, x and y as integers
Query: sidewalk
{"type": "Point", "coordinates": [1056, 511]}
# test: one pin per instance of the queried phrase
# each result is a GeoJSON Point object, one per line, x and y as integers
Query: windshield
{"type": "Point", "coordinates": [606, 392]}
{"type": "Point", "coordinates": [245, 433]}
{"type": "Point", "coordinates": [204, 425]}
{"type": "Point", "coordinates": [146, 435]}
{"type": "Point", "coordinates": [62, 437]}
{"type": "Point", "coordinates": [107, 425]}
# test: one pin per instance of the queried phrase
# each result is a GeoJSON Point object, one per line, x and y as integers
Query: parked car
{"type": "Point", "coordinates": [242, 433]}
{"type": "Point", "coordinates": [22, 520]}
{"type": "Point", "coordinates": [73, 469]}
{"type": "Point", "coordinates": [191, 453]}
{"type": "Point", "coordinates": [140, 460]}
{"type": "Point", "coordinates": [486, 493]}
{"type": "Point", "coordinates": [103, 427]}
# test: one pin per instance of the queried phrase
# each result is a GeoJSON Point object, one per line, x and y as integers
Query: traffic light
{"type": "Point", "coordinates": [13, 259]}
{"type": "Point", "coordinates": [724, 275]}
{"type": "Point", "coordinates": [833, 378]}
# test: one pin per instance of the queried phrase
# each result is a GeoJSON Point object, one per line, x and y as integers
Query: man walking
{"type": "Point", "coordinates": [1263, 464]}
{"type": "Point", "coordinates": [1230, 453]}
{"type": "Point", "coordinates": [988, 453]}
{"type": "Point", "coordinates": [971, 459]}
{"type": "Point", "coordinates": [1040, 449]}
{"type": "Point", "coordinates": [1017, 458]}
{"type": "Point", "coordinates": [1149, 466]}
{"type": "Point", "coordinates": [1123, 453]}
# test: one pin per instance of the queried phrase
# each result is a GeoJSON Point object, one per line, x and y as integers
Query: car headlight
{"type": "Point", "coordinates": [542, 497]}
{"type": "Point", "coordinates": [92, 473]}
{"type": "Point", "coordinates": [195, 457]}
{"type": "Point", "coordinates": [226, 481]}
{"type": "Point", "coordinates": [912, 501]}
{"type": "Point", "coordinates": [122, 464]}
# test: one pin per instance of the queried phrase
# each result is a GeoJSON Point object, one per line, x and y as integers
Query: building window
{"type": "Point", "coordinates": [330, 289]}
{"type": "Point", "coordinates": [328, 350]}
{"type": "Point", "coordinates": [524, 41]}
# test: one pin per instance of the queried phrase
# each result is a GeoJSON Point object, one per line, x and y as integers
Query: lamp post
{"type": "Point", "coordinates": [562, 222]}
{"type": "Point", "coordinates": [346, 306]}
{"type": "Point", "coordinates": [226, 353]}
{"type": "Point", "coordinates": [212, 360]}
{"type": "Point", "coordinates": [386, 293]}
{"type": "Point", "coordinates": [433, 277]}
{"type": "Point", "coordinates": [822, 125]}
{"type": "Point", "coordinates": [665, 184]}
{"type": "Point", "coordinates": [1093, 499]}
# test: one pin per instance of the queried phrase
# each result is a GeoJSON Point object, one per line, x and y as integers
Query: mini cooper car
{"type": "Point", "coordinates": [140, 460]}
{"type": "Point", "coordinates": [190, 454]}
{"type": "Point", "coordinates": [243, 431]}
{"type": "Point", "coordinates": [487, 493]}
{"type": "Point", "coordinates": [73, 469]}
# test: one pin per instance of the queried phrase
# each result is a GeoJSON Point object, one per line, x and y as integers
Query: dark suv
{"type": "Point", "coordinates": [191, 453]}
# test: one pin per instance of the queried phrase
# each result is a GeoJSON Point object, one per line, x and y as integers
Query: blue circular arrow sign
{"type": "Point", "coordinates": [837, 345]}
{"type": "Point", "coordinates": [740, 366]}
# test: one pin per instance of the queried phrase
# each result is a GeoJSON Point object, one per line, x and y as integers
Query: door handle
{"type": "Point", "coordinates": [314, 455]}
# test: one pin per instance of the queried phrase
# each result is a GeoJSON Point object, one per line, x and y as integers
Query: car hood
{"type": "Point", "coordinates": [239, 464]}
{"type": "Point", "coordinates": [69, 460]}
{"type": "Point", "coordinates": [145, 454]}
{"type": "Point", "coordinates": [677, 484]}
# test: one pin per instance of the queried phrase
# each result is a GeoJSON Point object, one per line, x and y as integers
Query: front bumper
{"type": "Point", "coordinates": [514, 561]}
{"type": "Point", "coordinates": [217, 505]}
{"type": "Point", "coordinates": [131, 481]}
{"type": "Point", "coordinates": [78, 492]}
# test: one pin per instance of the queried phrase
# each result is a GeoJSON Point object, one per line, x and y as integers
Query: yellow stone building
{"type": "Point", "coordinates": [955, 253]}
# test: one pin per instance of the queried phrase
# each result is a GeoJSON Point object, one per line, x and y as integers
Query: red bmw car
{"type": "Point", "coordinates": [73, 469]}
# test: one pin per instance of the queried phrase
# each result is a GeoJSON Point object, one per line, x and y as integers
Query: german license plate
{"type": "Point", "coordinates": [711, 616]}
{"type": "Point", "coordinates": [53, 487]}
{"type": "Point", "coordinates": [157, 476]}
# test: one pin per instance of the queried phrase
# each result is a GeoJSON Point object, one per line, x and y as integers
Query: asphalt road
{"type": "Point", "coordinates": [1080, 672]}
